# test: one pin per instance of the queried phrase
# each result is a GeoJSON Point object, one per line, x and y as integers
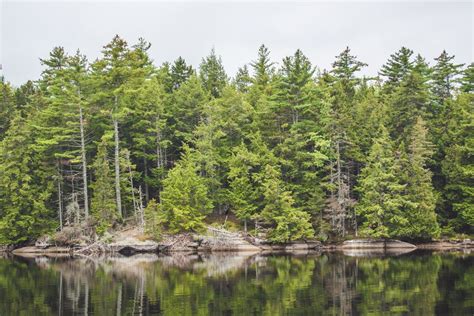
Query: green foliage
{"type": "Point", "coordinates": [397, 67]}
{"type": "Point", "coordinates": [212, 74]}
{"type": "Point", "coordinates": [420, 213]}
{"type": "Point", "coordinates": [291, 223]}
{"type": "Point", "coordinates": [25, 189]}
{"type": "Point", "coordinates": [458, 165]}
{"type": "Point", "coordinates": [381, 200]}
{"type": "Point", "coordinates": [153, 224]}
{"type": "Point", "coordinates": [445, 76]}
{"type": "Point", "coordinates": [103, 199]}
{"type": "Point", "coordinates": [184, 199]}
{"type": "Point", "coordinates": [282, 145]}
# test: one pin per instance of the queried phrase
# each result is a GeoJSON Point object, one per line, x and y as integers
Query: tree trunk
{"type": "Point", "coordinates": [118, 196]}
{"type": "Point", "coordinates": [140, 209]}
{"type": "Point", "coordinates": [60, 198]}
{"type": "Point", "coordinates": [145, 172]}
{"type": "Point", "coordinates": [84, 166]}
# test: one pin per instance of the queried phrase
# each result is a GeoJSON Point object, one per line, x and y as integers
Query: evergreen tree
{"type": "Point", "coordinates": [7, 106]}
{"type": "Point", "coordinates": [445, 76]}
{"type": "Point", "coordinates": [242, 79]}
{"type": "Point", "coordinates": [410, 100]}
{"type": "Point", "coordinates": [262, 67]}
{"type": "Point", "coordinates": [290, 223]}
{"type": "Point", "coordinates": [381, 201]}
{"type": "Point", "coordinates": [422, 67]}
{"type": "Point", "coordinates": [103, 204]}
{"type": "Point", "coordinates": [458, 166]}
{"type": "Point", "coordinates": [345, 66]}
{"type": "Point", "coordinates": [421, 217]}
{"type": "Point", "coordinates": [243, 190]}
{"type": "Point", "coordinates": [467, 81]}
{"type": "Point", "coordinates": [397, 67]}
{"type": "Point", "coordinates": [186, 111]}
{"type": "Point", "coordinates": [295, 73]}
{"type": "Point", "coordinates": [25, 188]}
{"type": "Point", "coordinates": [212, 74]}
{"type": "Point", "coordinates": [184, 199]}
{"type": "Point", "coordinates": [180, 72]}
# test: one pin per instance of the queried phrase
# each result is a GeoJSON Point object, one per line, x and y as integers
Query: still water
{"type": "Point", "coordinates": [418, 283]}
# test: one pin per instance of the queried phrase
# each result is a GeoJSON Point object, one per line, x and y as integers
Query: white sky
{"type": "Point", "coordinates": [373, 30]}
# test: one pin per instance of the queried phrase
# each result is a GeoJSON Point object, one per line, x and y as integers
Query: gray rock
{"type": "Point", "coordinates": [375, 244]}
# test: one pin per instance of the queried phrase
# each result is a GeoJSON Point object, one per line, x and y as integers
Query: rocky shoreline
{"type": "Point", "coordinates": [217, 240]}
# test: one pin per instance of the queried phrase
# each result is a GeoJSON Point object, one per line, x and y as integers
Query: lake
{"type": "Point", "coordinates": [416, 283]}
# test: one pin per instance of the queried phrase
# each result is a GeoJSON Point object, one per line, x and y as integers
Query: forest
{"type": "Point", "coordinates": [283, 148]}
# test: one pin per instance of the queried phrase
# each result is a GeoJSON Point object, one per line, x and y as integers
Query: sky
{"type": "Point", "coordinates": [372, 29]}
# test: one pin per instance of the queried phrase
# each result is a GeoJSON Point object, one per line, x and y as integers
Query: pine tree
{"type": "Point", "coordinates": [103, 204]}
{"type": "Point", "coordinates": [345, 66]}
{"type": "Point", "coordinates": [420, 216]}
{"type": "Point", "coordinates": [243, 191]}
{"type": "Point", "coordinates": [180, 72]}
{"type": "Point", "coordinates": [295, 73]}
{"type": "Point", "coordinates": [184, 199]}
{"type": "Point", "coordinates": [290, 223]}
{"type": "Point", "coordinates": [25, 188]}
{"type": "Point", "coordinates": [458, 166]}
{"type": "Point", "coordinates": [212, 74]}
{"type": "Point", "coordinates": [445, 76]}
{"type": "Point", "coordinates": [7, 106]}
{"type": "Point", "coordinates": [410, 100]}
{"type": "Point", "coordinates": [152, 219]}
{"type": "Point", "coordinates": [422, 67]}
{"type": "Point", "coordinates": [186, 111]}
{"type": "Point", "coordinates": [262, 67]}
{"type": "Point", "coordinates": [60, 125]}
{"type": "Point", "coordinates": [242, 79]}
{"type": "Point", "coordinates": [381, 201]}
{"type": "Point", "coordinates": [467, 81]}
{"type": "Point", "coordinates": [397, 67]}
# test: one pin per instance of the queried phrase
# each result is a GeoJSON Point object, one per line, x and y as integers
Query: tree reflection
{"type": "Point", "coordinates": [325, 284]}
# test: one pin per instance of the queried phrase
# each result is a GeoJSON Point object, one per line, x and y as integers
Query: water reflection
{"type": "Point", "coordinates": [419, 283]}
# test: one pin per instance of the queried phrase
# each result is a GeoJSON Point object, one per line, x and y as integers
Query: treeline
{"type": "Point", "coordinates": [286, 148]}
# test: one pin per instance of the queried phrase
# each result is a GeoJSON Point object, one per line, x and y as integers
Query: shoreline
{"type": "Point", "coordinates": [353, 247]}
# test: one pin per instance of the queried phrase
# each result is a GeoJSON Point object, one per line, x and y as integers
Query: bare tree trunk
{"type": "Point", "coordinates": [130, 175]}
{"type": "Point", "coordinates": [159, 149]}
{"type": "Point", "coordinates": [140, 209]}
{"type": "Point", "coordinates": [84, 166]}
{"type": "Point", "coordinates": [145, 171]}
{"type": "Point", "coordinates": [60, 198]}
{"type": "Point", "coordinates": [118, 196]}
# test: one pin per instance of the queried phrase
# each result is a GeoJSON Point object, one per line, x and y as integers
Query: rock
{"type": "Point", "coordinates": [375, 244]}
{"type": "Point", "coordinates": [227, 243]}
{"type": "Point", "coordinates": [314, 245]}
{"type": "Point", "coordinates": [37, 250]}
{"type": "Point", "coordinates": [296, 246]}
{"type": "Point", "coordinates": [132, 245]}
{"type": "Point", "coordinates": [467, 242]}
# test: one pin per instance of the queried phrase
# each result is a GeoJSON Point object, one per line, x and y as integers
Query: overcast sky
{"type": "Point", "coordinates": [373, 30]}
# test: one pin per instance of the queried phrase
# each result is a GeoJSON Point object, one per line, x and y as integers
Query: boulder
{"type": "Point", "coordinates": [376, 244]}
{"type": "Point", "coordinates": [132, 245]}
{"type": "Point", "coordinates": [225, 243]}
{"type": "Point", "coordinates": [37, 250]}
